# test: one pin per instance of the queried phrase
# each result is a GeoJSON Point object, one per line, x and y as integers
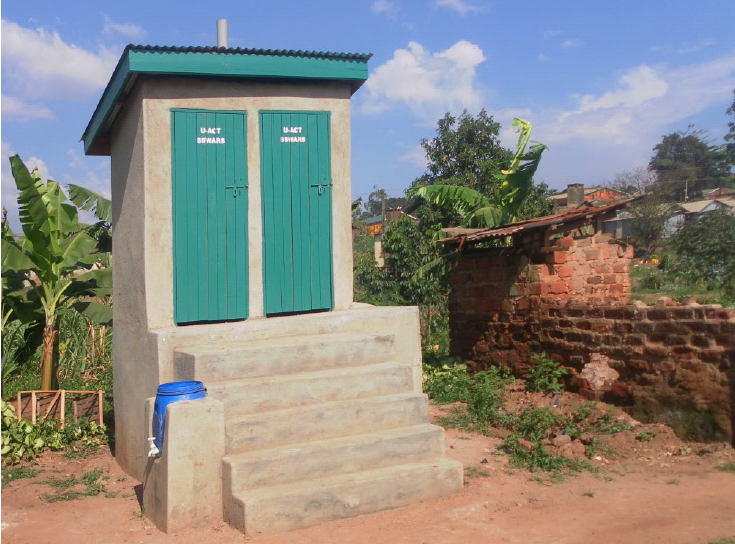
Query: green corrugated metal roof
{"type": "Point", "coordinates": [214, 62]}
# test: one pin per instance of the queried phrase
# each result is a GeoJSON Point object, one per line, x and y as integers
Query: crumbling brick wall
{"type": "Point", "coordinates": [674, 364]}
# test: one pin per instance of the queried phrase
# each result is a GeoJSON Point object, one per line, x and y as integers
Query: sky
{"type": "Point", "coordinates": [600, 81]}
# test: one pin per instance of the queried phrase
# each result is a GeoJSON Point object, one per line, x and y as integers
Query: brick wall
{"type": "Point", "coordinates": [674, 364]}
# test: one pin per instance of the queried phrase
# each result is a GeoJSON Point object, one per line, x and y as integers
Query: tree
{"type": "Point", "coordinates": [636, 181]}
{"type": "Point", "coordinates": [730, 137]}
{"type": "Point", "coordinates": [37, 269]}
{"type": "Point", "coordinates": [504, 204]}
{"type": "Point", "coordinates": [409, 248]}
{"type": "Point", "coordinates": [376, 200]}
{"type": "Point", "coordinates": [465, 152]}
{"type": "Point", "coordinates": [685, 165]}
{"type": "Point", "coordinates": [705, 250]}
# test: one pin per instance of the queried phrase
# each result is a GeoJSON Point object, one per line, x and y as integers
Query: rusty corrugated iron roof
{"type": "Point", "coordinates": [463, 236]}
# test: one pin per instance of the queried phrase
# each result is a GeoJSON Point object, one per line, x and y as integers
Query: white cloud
{"type": "Point", "coordinates": [430, 84]}
{"type": "Point", "coordinates": [460, 6]}
{"type": "Point", "coordinates": [17, 110]}
{"type": "Point", "coordinates": [639, 85]}
{"type": "Point", "coordinates": [415, 157]}
{"type": "Point", "coordinates": [695, 48]}
{"type": "Point", "coordinates": [570, 43]}
{"type": "Point", "coordinates": [542, 58]}
{"type": "Point", "coordinates": [40, 63]}
{"type": "Point", "coordinates": [617, 129]}
{"type": "Point", "coordinates": [551, 33]}
{"type": "Point", "coordinates": [384, 6]}
{"type": "Point", "coordinates": [129, 30]}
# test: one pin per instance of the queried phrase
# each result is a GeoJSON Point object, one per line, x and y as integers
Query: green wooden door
{"type": "Point", "coordinates": [296, 184]}
{"type": "Point", "coordinates": [210, 215]}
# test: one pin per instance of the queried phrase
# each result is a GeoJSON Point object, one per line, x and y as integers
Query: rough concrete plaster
{"type": "Point", "coordinates": [142, 221]}
{"type": "Point", "coordinates": [183, 487]}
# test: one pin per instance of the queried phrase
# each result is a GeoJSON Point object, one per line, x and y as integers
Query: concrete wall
{"type": "Point", "coordinates": [143, 226]}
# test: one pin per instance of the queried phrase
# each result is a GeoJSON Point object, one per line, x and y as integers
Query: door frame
{"type": "Point", "coordinates": [328, 115]}
{"type": "Point", "coordinates": [245, 242]}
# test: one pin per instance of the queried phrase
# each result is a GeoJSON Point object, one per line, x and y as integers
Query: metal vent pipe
{"type": "Point", "coordinates": [222, 33]}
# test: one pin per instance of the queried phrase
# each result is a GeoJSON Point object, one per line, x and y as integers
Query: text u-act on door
{"type": "Point", "coordinates": [210, 215]}
{"type": "Point", "coordinates": [297, 211]}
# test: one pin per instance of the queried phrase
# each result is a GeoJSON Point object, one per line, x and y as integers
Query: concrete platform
{"type": "Point", "coordinates": [323, 417]}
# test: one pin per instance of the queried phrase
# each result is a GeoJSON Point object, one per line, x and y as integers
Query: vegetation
{"type": "Point", "coordinates": [502, 204]}
{"type": "Point", "coordinates": [705, 251]}
{"type": "Point", "coordinates": [22, 440]}
{"type": "Point", "coordinates": [18, 473]}
{"type": "Point", "coordinates": [545, 374]}
{"type": "Point", "coordinates": [38, 269]}
{"type": "Point", "coordinates": [90, 481]}
{"type": "Point", "coordinates": [484, 395]}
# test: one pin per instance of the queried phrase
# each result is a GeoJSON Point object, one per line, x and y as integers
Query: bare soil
{"type": "Point", "coordinates": [660, 490]}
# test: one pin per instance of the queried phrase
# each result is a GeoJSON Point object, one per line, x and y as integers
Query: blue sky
{"type": "Point", "coordinates": [601, 81]}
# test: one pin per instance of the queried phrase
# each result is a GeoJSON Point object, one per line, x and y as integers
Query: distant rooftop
{"type": "Point", "coordinates": [235, 63]}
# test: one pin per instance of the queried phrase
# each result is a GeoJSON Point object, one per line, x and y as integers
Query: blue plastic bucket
{"type": "Point", "coordinates": [168, 393]}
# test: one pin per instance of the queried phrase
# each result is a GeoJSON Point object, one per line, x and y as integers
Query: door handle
{"type": "Point", "coordinates": [235, 189]}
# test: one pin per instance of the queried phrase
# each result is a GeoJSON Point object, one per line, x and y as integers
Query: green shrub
{"type": "Point", "coordinates": [24, 440]}
{"type": "Point", "coordinates": [544, 376]}
{"type": "Point", "coordinates": [20, 439]}
{"type": "Point", "coordinates": [447, 383]}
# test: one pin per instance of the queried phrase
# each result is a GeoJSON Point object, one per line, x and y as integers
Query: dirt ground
{"type": "Point", "coordinates": [657, 491]}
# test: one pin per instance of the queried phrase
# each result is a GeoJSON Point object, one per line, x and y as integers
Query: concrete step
{"type": "Point", "coordinates": [263, 430]}
{"type": "Point", "coordinates": [325, 458]}
{"type": "Point", "coordinates": [287, 391]}
{"type": "Point", "coordinates": [302, 504]}
{"type": "Point", "coordinates": [274, 356]}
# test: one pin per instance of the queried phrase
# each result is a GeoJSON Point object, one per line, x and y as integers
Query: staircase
{"type": "Point", "coordinates": [320, 427]}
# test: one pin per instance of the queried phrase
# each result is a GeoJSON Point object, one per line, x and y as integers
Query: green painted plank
{"type": "Point", "coordinates": [241, 252]}
{"type": "Point", "coordinates": [178, 179]}
{"type": "Point", "coordinates": [325, 204]}
{"type": "Point", "coordinates": [300, 233]}
{"type": "Point", "coordinates": [230, 201]}
{"type": "Point", "coordinates": [202, 220]}
{"type": "Point", "coordinates": [314, 243]}
{"type": "Point", "coordinates": [214, 257]}
{"type": "Point", "coordinates": [191, 228]}
{"type": "Point", "coordinates": [286, 220]}
{"type": "Point", "coordinates": [218, 150]}
{"type": "Point", "coordinates": [270, 291]}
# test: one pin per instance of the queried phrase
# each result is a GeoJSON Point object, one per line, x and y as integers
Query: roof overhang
{"type": "Point", "coordinates": [262, 64]}
{"type": "Point", "coordinates": [586, 211]}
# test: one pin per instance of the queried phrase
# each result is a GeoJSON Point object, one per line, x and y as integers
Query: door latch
{"type": "Point", "coordinates": [235, 189]}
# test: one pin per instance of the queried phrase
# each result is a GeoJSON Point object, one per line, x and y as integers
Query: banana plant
{"type": "Point", "coordinates": [479, 211]}
{"type": "Point", "coordinates": [38, 268]}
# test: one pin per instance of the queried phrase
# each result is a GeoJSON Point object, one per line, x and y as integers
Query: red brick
{"type": "Point", "coordinates": [558, 257]}
{"type": "Point", "coordinates": [592, 254]}
{"type": "Point", "coordinates": [564, 271]}
{"type": "Point", "coordinates": [567, 241]}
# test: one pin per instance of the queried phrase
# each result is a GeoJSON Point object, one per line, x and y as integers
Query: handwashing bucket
{"type": "Point", "coordinates": [165, 395]}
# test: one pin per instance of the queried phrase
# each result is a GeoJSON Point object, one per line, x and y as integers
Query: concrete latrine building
{"type": "Point", "coordinates": [233, 266]}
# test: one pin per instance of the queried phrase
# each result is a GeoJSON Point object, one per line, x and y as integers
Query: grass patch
{"type": "Point", "coordinates": [726, 540]}
{"type": "Point", "coordinates": [726, 467]}
{"type": "Point", "coordinates": [90, 480]}
{"type": "Point", "coordinates": [10, 475]}
{"type": "Point", "coordinates": [475, 472]}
